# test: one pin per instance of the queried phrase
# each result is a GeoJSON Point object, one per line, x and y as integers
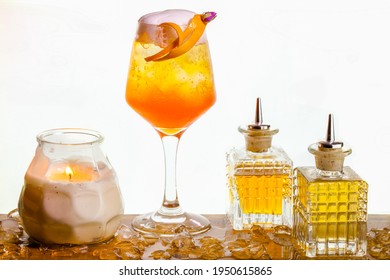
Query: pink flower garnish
{"type": "Point", "coordinates": [208, 16]}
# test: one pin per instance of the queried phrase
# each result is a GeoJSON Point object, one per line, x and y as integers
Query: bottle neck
{"type": "Point", "coordinates": [329, 174]}
{"type": "Point", "coordinates": [260, 154]}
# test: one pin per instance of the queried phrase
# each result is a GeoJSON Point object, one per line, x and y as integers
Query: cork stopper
{"type": "Point", "coordinates": [329, 154]}
{"type": "Point", "coordinates": [258, 136]}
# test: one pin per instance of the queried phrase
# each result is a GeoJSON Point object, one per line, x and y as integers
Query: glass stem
{"type": "Point", "coordinates": [170, 204]}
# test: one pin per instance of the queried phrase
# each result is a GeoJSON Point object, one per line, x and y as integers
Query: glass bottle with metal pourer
{"type": "Point", "coordinates": [330, 202]}
{"type": "Point", "coordinates": [259, 179]}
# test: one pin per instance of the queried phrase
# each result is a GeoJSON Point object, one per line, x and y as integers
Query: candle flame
{"type": "Point", "coordinates": [69, 172]}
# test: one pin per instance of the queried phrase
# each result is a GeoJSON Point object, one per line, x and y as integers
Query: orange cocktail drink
{"type": "Point", "coordinates": [170, 84]}
{"type": "Point", "coordinates": [170, 94]}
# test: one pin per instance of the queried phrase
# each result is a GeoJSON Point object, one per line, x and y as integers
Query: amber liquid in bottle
{"type": "Point", "coordinates": [330, 213]}
{"type": "Point", "coordinates": [262, 194]}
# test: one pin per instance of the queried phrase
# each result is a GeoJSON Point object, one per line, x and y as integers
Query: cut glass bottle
{"type": "Point", "coordinates": [330, 203]}
{"type": "Point", "coordinates": [259, 179]}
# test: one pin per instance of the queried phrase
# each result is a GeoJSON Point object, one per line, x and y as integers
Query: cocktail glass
{"type": "Point", "coordinates": [170, 84]}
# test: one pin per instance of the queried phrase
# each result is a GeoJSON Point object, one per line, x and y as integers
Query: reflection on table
{"type": "Point", "coordinates": [221, 242]}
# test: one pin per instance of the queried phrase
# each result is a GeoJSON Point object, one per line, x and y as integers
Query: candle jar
{"type": "Point", "coordinates": [70, 193]}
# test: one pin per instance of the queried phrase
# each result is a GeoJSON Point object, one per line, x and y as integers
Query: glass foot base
{"type": "Point", "coordinates": [156, 223]}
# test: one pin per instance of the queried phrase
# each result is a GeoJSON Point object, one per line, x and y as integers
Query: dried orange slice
{"type": "Point", "coordinates": [185, 39]}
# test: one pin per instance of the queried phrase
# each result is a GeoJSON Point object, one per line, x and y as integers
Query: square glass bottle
{"type": "Point", "coordinates": [259, 179]}
{"type": "Point", "coordinates": [330, 203]}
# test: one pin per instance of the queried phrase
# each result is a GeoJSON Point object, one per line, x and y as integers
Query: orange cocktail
{"type": "Point", "coordinates": [170, 84]}
{"type": "Point", "coordinates": [170, 94]}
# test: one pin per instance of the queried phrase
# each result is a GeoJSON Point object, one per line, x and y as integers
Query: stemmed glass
{"type": "Point", "coordinates": [170, 84]}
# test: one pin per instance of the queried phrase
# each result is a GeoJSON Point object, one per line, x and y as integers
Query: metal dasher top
{"type": "Point", "coordinates": [329, 154]}
{"type": "Point", "coordinates": [258, 136]}
{"type": "Point", "coordinates": [259, 118]}
{"type": "Point", "coordinates": [330, 142]}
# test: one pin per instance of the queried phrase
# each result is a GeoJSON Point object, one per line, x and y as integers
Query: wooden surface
{"type": "Point", "coordinates": [221, 242]}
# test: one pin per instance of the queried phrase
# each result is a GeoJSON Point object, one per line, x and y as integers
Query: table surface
{"type": "Point", "coordinates": [221, 242]}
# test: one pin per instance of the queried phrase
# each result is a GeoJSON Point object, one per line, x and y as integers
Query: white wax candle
{"type": "Point", "coordinates": [82, 207]}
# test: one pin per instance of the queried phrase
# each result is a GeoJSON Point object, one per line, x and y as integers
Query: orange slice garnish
{"type": "Point", "coordinates": [185, 39]}
{"type": "Point", "coordinates": [177, 28]}
{"type": "Point", "coordinates": [170, 46]}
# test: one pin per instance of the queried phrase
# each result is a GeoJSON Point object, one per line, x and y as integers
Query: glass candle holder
{"type": "Point", "coordinates": [71, 193]}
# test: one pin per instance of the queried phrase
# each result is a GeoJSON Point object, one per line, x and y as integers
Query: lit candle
{"type": "Point", "coordinates": [71, 172]}
{"type": "Point", "coordinates": [70, 201]}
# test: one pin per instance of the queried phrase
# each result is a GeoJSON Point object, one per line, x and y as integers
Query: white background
{"type": "Point", "coordinates": [64, 64]}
